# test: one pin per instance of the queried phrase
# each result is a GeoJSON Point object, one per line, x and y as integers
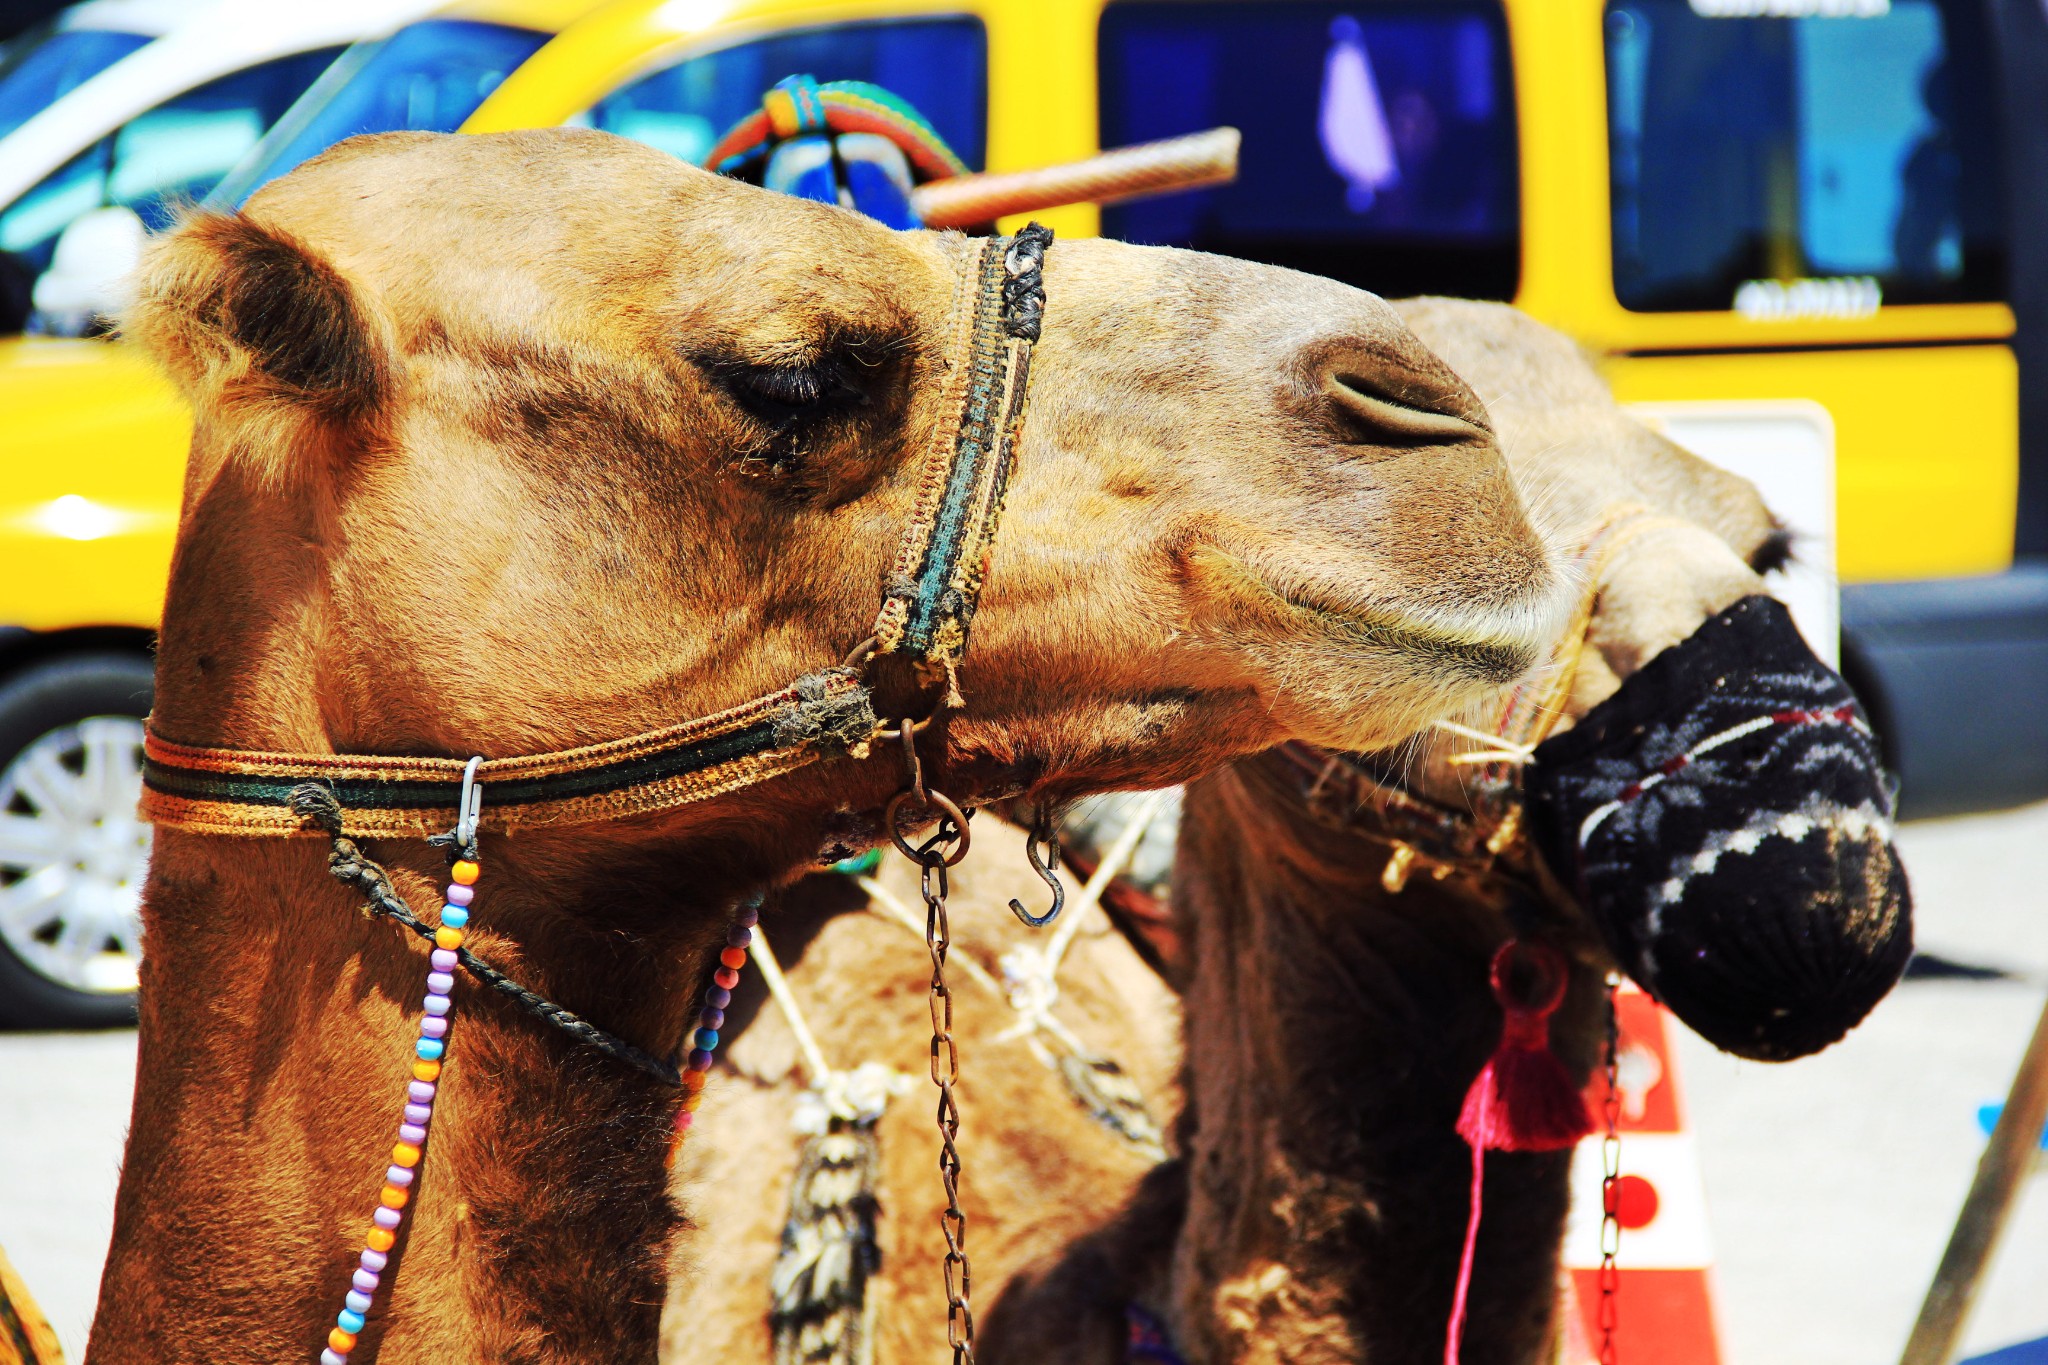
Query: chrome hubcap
{"type": "Point", "coordinates": [72, 855]}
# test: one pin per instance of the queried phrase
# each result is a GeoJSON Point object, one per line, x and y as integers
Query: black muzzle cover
{"type": "Point", "coordinates": [1726, 820]}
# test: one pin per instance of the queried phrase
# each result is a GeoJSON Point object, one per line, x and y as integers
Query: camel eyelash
{"type": "Point", "coordinates": [782, 397]}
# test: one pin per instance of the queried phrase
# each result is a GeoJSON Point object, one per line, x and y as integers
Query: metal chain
{"type": "Point", "coordinates": [947, 846]}
{"type": "Point", "coordinates": [945, 1072]}
{"type": "Point", "coordinates": [1610, 1182]}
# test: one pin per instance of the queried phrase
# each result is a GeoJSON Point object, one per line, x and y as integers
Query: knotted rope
{"type": "Point", "coordinates": [349, 865]}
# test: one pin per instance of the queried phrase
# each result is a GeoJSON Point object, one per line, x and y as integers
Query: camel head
{"type": "Point", "coordinates": [1337, 1005]}
{"type": "Point", "coordinates": [1758, 894]}
{"type": "Point", "coordinates": [515, 442]}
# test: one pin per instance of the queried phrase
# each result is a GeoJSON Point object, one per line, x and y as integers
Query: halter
{"type": "Point", "coordinates": [927, 610]}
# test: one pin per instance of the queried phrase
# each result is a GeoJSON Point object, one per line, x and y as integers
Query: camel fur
{"type": "Point", "coordinates": [507, 444]}
{"type": "Point", "coordinates": [1316, 1208]}
{"type": "Point", "coordinates": [1315, 1205]}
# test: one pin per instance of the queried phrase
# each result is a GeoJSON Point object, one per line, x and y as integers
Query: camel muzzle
{"type": "Point", "coordinates": [1726, 820]}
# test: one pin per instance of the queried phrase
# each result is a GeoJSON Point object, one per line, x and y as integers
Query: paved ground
{"type": "Point", "coordinates": [1831, 1183]}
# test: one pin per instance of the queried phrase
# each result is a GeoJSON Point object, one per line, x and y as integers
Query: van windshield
{"type": "Point", "coordinates": [1379, 135]}
{"type": "Point", "coordinates": [1802, 158]}
{"type": "Point", "coordinates": [42, 66]}
{"type": "Point", "coordinates": [427, 77]}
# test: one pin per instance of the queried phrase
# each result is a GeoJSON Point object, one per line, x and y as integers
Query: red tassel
{"type": "Point", "coordinates": [1522, 1100]}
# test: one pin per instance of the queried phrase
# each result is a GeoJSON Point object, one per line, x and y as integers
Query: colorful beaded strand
{"type": "Point", "coordinates": [419, 1108]}
{"type": "Point", "coordinates": [703, 1041]}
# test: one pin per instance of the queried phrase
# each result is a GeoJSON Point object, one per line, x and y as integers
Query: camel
{"type": "Point", "coordinates": [1314, 1206]}
{"type": "Point", "coordinates": [513, 443]}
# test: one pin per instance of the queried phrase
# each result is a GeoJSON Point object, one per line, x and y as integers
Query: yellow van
{"type": "Point", "coordinates": [1813, 208]}
{"type": "Point", "coordinates": [92, 454]}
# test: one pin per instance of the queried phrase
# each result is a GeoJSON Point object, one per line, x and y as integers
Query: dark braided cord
{"type": "Point", "coordinates": [349, 865]}
{"type": "Point", "coordinates": [1024, 287]}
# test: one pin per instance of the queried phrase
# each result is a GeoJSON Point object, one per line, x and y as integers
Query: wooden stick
{"type": "Point", "coordinates": [1178, 163]}
{"type": "Point", "coordinates": [2007, 1158]}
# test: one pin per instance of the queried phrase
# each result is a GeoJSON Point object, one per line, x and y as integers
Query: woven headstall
{"type": "Point", "coordinates": [928, 607]}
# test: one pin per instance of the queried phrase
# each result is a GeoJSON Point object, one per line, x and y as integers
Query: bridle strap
{"type": "Point", "coordinates": [232, 791]}
{"type": "Point", "coordinates": [930, 601]}
{"type": "Point", "coordinates": [938, 574]}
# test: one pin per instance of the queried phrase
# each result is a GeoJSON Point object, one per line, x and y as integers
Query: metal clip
{"type": "Point", "coordinates": [469, 809]}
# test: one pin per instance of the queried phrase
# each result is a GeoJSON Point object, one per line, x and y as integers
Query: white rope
{"type": "Point", "coordinates": [856, 1095]}
{"type": "Point", "coordinates": [785, 1000]}
{"type": "Point", "coordinates": [1499, 748]}
{"type": "Point", "coordinates": [895, 909]}
{"type": "Point", "coordinates": [1031, 985]}
{"type": "Point", "coordinates": [1113, 861]}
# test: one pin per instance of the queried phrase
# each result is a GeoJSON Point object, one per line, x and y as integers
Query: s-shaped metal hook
{"type": "Point", "coordinates": [1044, 834]}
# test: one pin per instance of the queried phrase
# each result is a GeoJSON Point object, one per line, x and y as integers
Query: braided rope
{"type": "Point", "coordinates": [348, 864]}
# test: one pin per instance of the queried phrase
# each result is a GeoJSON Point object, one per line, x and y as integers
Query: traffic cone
{"type": "Point", "coordinates": [1665, 1312]}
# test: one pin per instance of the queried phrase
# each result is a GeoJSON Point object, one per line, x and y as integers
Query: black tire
{"type": "Point", "coordinates": [37, 702]}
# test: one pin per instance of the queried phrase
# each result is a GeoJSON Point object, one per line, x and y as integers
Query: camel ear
{"type": "Point", "coordinates": [242, 315]}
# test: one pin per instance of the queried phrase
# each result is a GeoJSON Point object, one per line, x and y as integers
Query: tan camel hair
{"type": "Point", "coordinates": [1317, 1204]}
{"type": "Point", "coordinates": [510, 443]}
{"type": "Point", "coordinates": [1317, 1207]}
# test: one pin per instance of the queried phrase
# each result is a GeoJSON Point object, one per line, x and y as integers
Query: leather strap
{"type": "Point", "coordinates": [230, 791]}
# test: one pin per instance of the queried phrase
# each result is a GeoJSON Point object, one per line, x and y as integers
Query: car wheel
{"type": "Point", "coordinates": [72, 850]}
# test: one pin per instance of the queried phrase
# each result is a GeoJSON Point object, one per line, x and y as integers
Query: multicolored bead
{"type": "Point", "coordinates": [710, 1019]}
{"type": "Point", "coordinates": [420, 1090]}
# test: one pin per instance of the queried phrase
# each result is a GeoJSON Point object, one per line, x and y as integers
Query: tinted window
{"type": "Point", "coordinates": [427, 77]}
{"type": "Point", "coordinates": [1379, 138]}
{"type": "Point", "coordinates": [172, 153]}
{"type": "Point", "coordinates": [1805, 165]}
{"type": "Point", "coordinates": [939, 65]}
{"type": "Point", "coordinates": [38, 68]}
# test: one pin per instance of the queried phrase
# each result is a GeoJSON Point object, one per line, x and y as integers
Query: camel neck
{"type": "Point", "coordinates": [1332, 1030]}
{"type": "Point", "coordinates": [277, 1030]}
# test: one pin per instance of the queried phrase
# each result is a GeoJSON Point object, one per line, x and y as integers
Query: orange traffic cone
{"type": "Point", "coordinates": [1664, 1300]}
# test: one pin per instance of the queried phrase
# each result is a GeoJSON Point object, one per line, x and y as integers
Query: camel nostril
{"type": "Point", "coordinates": [1372, 415]}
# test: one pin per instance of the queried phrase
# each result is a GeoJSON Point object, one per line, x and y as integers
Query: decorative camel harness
{"type": "Point", "coordinates": [926, 613]}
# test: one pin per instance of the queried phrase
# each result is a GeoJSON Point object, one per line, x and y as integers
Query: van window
{"type": "Point", "coordinates": [1379, 138]}
{"type": "Point", "coordinates": [940, 65]}
{"type": "Point", "coordinates": [45, 64]}
{"type": "Point", "coordinates": [427, 77]}
{"type": "Point", "coordinates": [1801, 158]}
{"type": "Point", "coordinates": [166, 155]}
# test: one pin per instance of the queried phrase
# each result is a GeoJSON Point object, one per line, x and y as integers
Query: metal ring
{"type": "Point", "coordinates": [947, 811]}
{"type": "Point", "coordinates": [1551, 974]}
{"type": "Point", "coordinates": [862, 652]}
{"type": "Point", "coordinates": [917, 727]}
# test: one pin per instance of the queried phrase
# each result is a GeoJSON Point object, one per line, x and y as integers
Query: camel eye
{"type": "Point", "coordinates": [781, 397]}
